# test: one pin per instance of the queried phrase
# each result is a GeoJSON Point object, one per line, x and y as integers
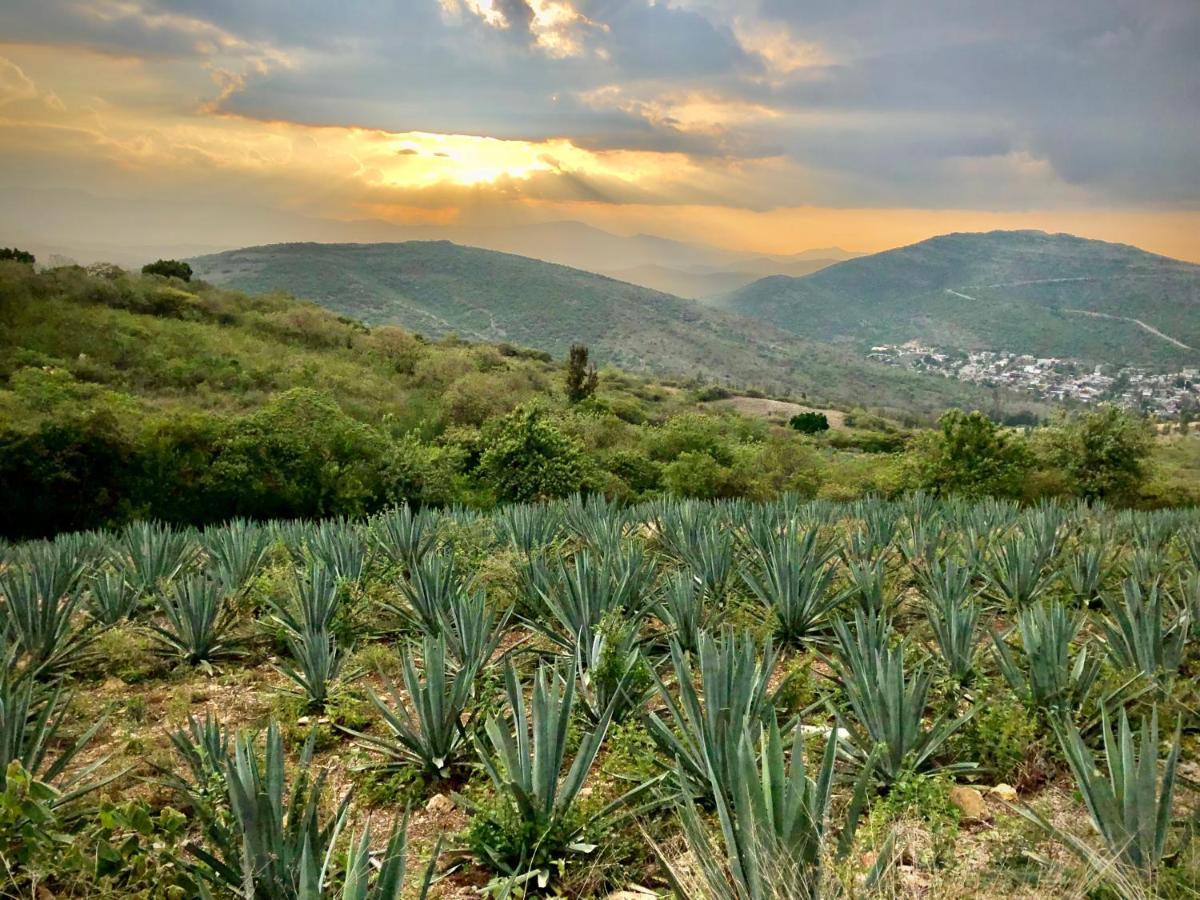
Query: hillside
{"type": "Point", "coordinates": [710, 281]}
{"type": "Point", "coordinates": [1024, 291]}
{"type": "Point", "coordinates": [439, 288]}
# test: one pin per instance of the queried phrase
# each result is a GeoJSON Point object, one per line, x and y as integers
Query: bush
{"type": "Point", "coordinates": [970, 456]}
{"type": "Point", "coordinates": [1103, 452]}
{"type": "Point", "coordinates": [528, 458]}
{"type": "Point", "coordinates": [169, 268]}
{"type": "Point", "coordinates": [21, 256]}
{"type": "Point", "coordinates": [809, 422]}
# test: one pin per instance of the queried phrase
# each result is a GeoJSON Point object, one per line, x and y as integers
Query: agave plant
{"type": "Point", "coordinates": [276, 846]}
{"type": "Point", "coordinates": [682, 608]}
{"type": "Point", "coordinates": [573, 601]}
{"type": "Point", "coordinates": [338, 547]}
{"type": "Point", "coordinates": [198, 621]}
{"type": "Point", "coordinates": [405, 537]}
{"type": "Point", "coordinates": [794, 582]}
{"type": "Point", "coordinates": [31, 716]}
{"type": "Point", "coordinates": [1130, 807]}
{"type": "Point", "coordinates": [40, 621]}
{"type": "Point", "coordinates": [433, 585]}
{"type": "Point", "coordinates": [529, 527]}
{"type": "Point", "coordinates": [1137, 634]}
{"type": "Point", "coordinates": [316, 602]}
{"type": "Point", "coordinates": [868, 586]}
{"type": "Point", "coordinates": [731, 696]}
{"type": "Point", "coordinates": [600, 524]}
{"type": "Point", "coordinates": [614, 676]}
{"type": "Point", "coordinates": [774, 828]}
{"type": "Point", "coordinates": [1055, 679]}
{"type": "Point", "coordinates": [1016, 571]}
{"type": "Point", "coordinates": [1085, 573]}
{"type": "Point", "coordinates": [157, 553]}
{"type": "Point", "coordinates": [235, 551]}
{"type": "Point", "coordinates": [473, 628]}
{"type": "Point", "coordinates": [318, 663]}
{"type": "Point", "coordinates": [110, 597]}
{"type": "Point", "coordinates": [433, 732]}
{"type": "Point", "coordinates": [525, 763]}
{"type": "Point", "coordinates": [708, 556]}
{"type": "Point", "coordinates": [889, 706]}
{"type": "Point", "coordinates": [953, 615]}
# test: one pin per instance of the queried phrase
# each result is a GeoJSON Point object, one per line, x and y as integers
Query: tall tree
{"type": "Point", "coordinates": [581, 374]}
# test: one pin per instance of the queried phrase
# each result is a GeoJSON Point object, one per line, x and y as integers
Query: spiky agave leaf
{"type": "Point", "coordinates": [889, 705]}
{"type": "Point", "coordinates": [1053, 676]}
{"type": "Point", "coordinates": [1137, 635]}
{"type": "Point", "coordinates": [682, 608]}
{"type": "Point", "coordinates": [389, 884]}
{"type": "Point", "coordinates": [793, 580]}
{"type": "Point", "coordinates": [235, 552]}
{"type": "Point", "coordinates": [774, 829]}
{"type": "Point", "coordinates": [530, 528]}
{"type": "Point", "coordinates": [1130, 806]}
{"type": "Point", "coordinates": [198, 621]}
{"type": "Point", "coordinates": [315, 603]}
{"type": "Point", "coordinates": [1017, 571]}
{"type": "Point", "coordinates": [731, 696]}
{"type": "Point", "coordinates": [430, 729]}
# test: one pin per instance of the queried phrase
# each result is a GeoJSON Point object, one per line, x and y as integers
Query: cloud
{"type": "Point", "coordinates": [15, 85]}
{"type": "Point", "coordinates": [747, 106]}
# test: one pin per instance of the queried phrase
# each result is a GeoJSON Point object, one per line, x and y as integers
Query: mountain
{"type": "Point", "coordinates": [438, 288]}
{"type": "Point", "coordinates": [1024, 291]}
{"type": "Point", "coordinates": [711, 281]}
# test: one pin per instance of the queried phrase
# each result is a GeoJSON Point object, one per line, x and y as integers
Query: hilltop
{"type": "Point", "coordinates": [1022, 291]}
{"type": "Point", "coordinates": [439, 288]}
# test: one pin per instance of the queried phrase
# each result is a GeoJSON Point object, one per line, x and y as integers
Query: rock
{"type": "Point", "coordinates": [633, 892]}
{"type": "Point", "coordinates": [304, 720]}
{"type": "Point", "coordinates": [969, 802]}
{"type": "Point", "coordinates": [439, 803]}
{"type": "Point", "coordinates": [1005, 792]}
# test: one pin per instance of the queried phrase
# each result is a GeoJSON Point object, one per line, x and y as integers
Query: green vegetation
{"type": "Point", "coordinates": [169, 268]}
{"type": "Point", "coordinates": [126, 398]}
{"type": "Point", "coordinates": [590, 696]}
{"type": "Point", "coordinates": [1021, 291]}
{"type": "Point", "coordinates": [17, 255]}
{"type": "Point", "coordinates": [582, 379]}
{"type": "Point", "coordinates": [441, 289]}
{"type": "Point", "coordinates": [809, 422]}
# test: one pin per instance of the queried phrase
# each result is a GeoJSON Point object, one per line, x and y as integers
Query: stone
{"type": "Point", "coordinates": [1005, 792]}
{"type": "Point", "coordinates": [439, 803]}
{"type": "Point", "coordinates": [969, 802]}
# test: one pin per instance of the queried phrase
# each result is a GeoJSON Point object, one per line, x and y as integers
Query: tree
{"type": "Point", "coordinates": [1103, 452]}
{"type": "Point", "coordinates": [529, 459]}
{"type": "Point", "coordinates": [169, 268]}
{"type": "Point", "coordinates": [970, 455]}
{"type": "Point", "coordinates": [810, 422]}
{"type": "Point", "coordinates": [21, 256]}
{"type": "Point", "coordinates": [582, 379]}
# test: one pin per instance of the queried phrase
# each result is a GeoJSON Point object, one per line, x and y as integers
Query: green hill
{"type": "Point", "coordinates": [439, 288]}
{"type": "Point", "coordinates": [1025, 291]}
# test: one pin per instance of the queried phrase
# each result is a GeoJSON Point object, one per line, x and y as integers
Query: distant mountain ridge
{"type": "Point", "coordinates": [439, 288]}
{"type": "Point", "coordinates": [1025, 291]}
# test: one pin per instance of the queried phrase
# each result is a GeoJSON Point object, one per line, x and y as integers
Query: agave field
{"type": "Point", "coordinates": [710, 700]}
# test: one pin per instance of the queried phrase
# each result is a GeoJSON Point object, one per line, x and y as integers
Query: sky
{"type": "Point", "coordinates": [763, 126]}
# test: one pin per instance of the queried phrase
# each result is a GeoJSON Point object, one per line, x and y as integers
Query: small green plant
{"type": "Point", "coordinates": [926, 799]}
{"type": "Point", "coordinates": [1003, 737]}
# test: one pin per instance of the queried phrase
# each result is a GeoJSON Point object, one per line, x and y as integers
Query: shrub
{"type": "Point", "coordinates": [970, 456]}
{"type": "Point", "coordinates": [169, 268]}
{"type": "Point", "coordinates": [528, 458]}
{"type": "Point", "coordinates": [809, 422]}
